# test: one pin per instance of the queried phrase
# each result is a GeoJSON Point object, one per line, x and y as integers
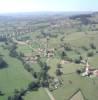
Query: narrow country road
{"type": "Point", "coordinates": [49, 94]}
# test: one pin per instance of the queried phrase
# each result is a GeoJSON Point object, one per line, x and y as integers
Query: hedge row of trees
{"type": "Point", "coordinates": [18, 94]}
{"type": "Point", "coordinates": [41, 81]}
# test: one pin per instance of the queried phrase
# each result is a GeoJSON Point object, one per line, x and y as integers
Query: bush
{"type": "Point", "coordinates": [78, 71]}
{"type": "Point", "coordinates": [1, 93]}
{"type": "Point", "coordinates": [59, 66]}
{"type": "Point", "coordinates": [59, 72]}
{"type": "Point", "coordinates": [90, 54]}
{"type": "Point", "coordinates": [35, 74]}
{"type": "Point", "coordinates": [3, 63]}
{"type": "Point", "coordinates": [68, 48]}
{"type": "Point", "coordinates": [84, 48]}
{"type": "Point", "coordinates": [96, 51]}
{"type": "Point", "coordinates": [81, 57]}
{"type": "Point", "coordinates": [92, 46]}
{"type": "Point", "coordinates": [17, 96]}
{"type": "Point", "coordinates": [23, 92]}
{"type": "Point", "coordinates": [33, 86]}
{"type": "Point", "coordinates": [77, 61]}
{"type": "Point", "coordinates": [13, 53]}
{"type": "Point", "coordinates": [63, 54]}
{"type": "Point", "coordinates": [28, 67]}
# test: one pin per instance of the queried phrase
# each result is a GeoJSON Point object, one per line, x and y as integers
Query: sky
{"type": "Point", "coordinates": [12, 6]}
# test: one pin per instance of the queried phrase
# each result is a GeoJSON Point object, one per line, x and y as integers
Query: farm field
{"type": "Point", "coordinates": [16, 77]}
{"type": "Point", "coordinates": [77, 96]}
{"type": "Point", "coordinates": [37, 95]}
{"type": "Point", "coordinates": [13, 77]}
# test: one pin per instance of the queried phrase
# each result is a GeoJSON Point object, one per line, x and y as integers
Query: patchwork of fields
{"type": "Point", "coordinates": [66, 40]}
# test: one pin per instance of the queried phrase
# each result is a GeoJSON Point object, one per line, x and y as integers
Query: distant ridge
{"type": "Point", "coordinates": [49, 13]}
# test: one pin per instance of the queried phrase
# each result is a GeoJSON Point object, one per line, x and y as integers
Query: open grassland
{"type": "Point", "coordinates": [73, 81]}
{"type": "Point", "coordinates": [37, 95]}
{"type": "Point", "coordinates": [88, 86]}
{"type": "Point", "coordinates": [13, 77]}
{"type": "Point", "coordinates": [24, 49]}
{"type": "Point", "coordinates": [16, 77]}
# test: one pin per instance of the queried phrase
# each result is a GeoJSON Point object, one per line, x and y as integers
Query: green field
{"type": "Point", "coordinates": [87, 85]}
{"type": "Point", "coordinates": [16, 77]}
{"type": "Point", "coordinates": [37, 95]}
{"type": "Point", "coordinates": [13, 77]}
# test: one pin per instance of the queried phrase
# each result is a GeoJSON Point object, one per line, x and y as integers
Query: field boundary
{"type": "Point", "coordinates": [76, 93]}
{"type": "Point", "coordinates": [49, 94]}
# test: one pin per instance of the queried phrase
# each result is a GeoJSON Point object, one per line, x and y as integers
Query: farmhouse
{"type": "Point", "coordinates": [56, 83]}
{"type": "Point", "coordinates": [89, 71]}
{"type": "Point", "coordinates": [50, 52]}
{"type": "Point", "coordinates": [30, 59]}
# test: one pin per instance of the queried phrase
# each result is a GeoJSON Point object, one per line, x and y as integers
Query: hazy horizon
{"type": "Point", "coordinates": [22, 6]}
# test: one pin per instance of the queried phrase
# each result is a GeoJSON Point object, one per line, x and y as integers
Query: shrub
{"type": "Point", "coordinates": [13, 53]}
{"type": "Point", "coordinates": [58, 72]}
{"type": "Point", "coordinates": [90, 54]}
{"type": "Point", "coordinates": [92, 46]}
{"type": "Point", "coordinates": [3, 63]}
{"type": "Point", "coordinates": [77, 61]}
{"type": "Point", "coordinates": [81, 57]}
{"type": "Point", "coordinates": [28, 67]}
{"type": "Point", "coordinates": [35, 74]}
{"type": "Point", "coordinates": [1, 93]}
{"type": "Point", "coordinates": [63, 54]}
{"type": "Point", "coordinates": [96, 51]}
{"type": "Point", "coordinates": [33, 86]}
{"type": "Point", "coordinates": [59, 66]}
{"type": "Point", "coordinates": [68, 48]}
{"type": "Point", "coordinates": [78, 71]}
{"type": "Point", "coordinates": [84, 48]}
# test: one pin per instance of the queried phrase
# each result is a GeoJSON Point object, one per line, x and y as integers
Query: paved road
{"type": "Point", "coordinates": [49, 94]}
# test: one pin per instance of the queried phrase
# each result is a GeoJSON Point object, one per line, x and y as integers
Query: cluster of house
{"type": "Point", "coordinates": [50, 52]}
{"type": "Point", "coordinates": [56, 83]}
{"type": "Point", "coordinates": [88, 71]}
{"type": "Point", "coordinates": [30, 59]}
{"type": "Point", "coordinates": [46, 52]}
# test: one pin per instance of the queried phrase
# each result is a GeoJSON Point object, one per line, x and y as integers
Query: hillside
{"type": "Point", "coordinates": [49, 52]}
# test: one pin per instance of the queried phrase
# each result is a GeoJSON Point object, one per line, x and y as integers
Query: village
{"type": "Point", "coordinates": [86, 71]}
{"type": "Point", "coordinates": [49, 58]}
